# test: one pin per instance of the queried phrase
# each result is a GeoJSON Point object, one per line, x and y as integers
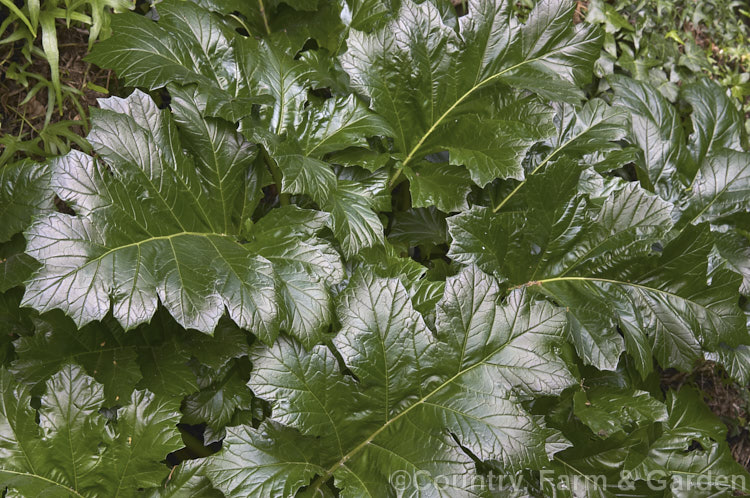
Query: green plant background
{"type": "Point", "coordinates": [273, 160]}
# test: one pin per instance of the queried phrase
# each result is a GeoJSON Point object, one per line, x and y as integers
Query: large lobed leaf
{"type": "Point", "coordinates": [412, 386]}
{"type": "Point", "coordinates": [156, 225]}
{"type": "Point", "coordinates": [431, 81]}
{"type": "Point", "coordinates": [602, 260]}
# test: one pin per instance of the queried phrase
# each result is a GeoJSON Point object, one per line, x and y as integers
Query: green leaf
{"type": "Point", "coordinates": [599, 262]}
{"type": "Point", "coordinates": [657, 130]}
{"type": "Point", "coordinates": [186, 480]}
{"type": "Point", "coordinates": [25, 193]}
{"type": "Point", "coordinates": [734, 249]}
{"type": "Point", "coordinates": [419, 227]}
{"type": "Point", "coordinates": [307, 306]}
{"type": "Point", "coordinates": [272, 460]}
{"type": "Point", "coordinates": [144, 429]}
{"type": "Point", "coordinates": [187, 45]}
{"type": "Point", "coordinates": [165, 369]}
{"type": "Point", "coordinates": [223, 158]}
{"type": "Point", "coordinates": [100, 348]}
{"type": "Point", "coordinates": [304, 175]}
{"type": "Point", "coordinates": [17, 13]}
{"type": "Point", "coordinates": [272, 70]}
{"type": "Point", "coordinates": [443, 186]}
{"type": "Point", "coordinates": [51, 53]}
{"type": "Point", "coordinates": [586, 131]}
{"type": "Point", "coordinates": [319, 21]}
{"type": "Point", "coordinates": [736, 361]}
{"type": "Point", "coordinates": [594, 127]}
{"type": "Point", "coordinates": [717, 122]}
{"type": "Point", "coordinates": [307, 5]}
{"type": "Point", "coordinates": [496, 148]}
{"type": "Point", "coordinates": [667, 307]}
{"type": "Point", "coordinates": [15, 322]}
{"type": "Point", "coordinates": [707, 174]}
{"type": "Point", "coordinates": [15, 266]}
{"type": "Point", "coordinates": [308, 131]}
{"type": "Point", "coordinates": [154, 356]}
{"type": "Point", "coordinates": [74, 450]}
{"type": "Point", "coordinates": [306, 266]}
{"type": "Point", "coordinates": [227, 343]}
{"type": "Point", "coordinates": [354, 222]}
{"type": "Point", "coordinates": [337, 124]}
{"type": "Point", "coordinates": [691, 421]}
{"type": "Point", "coordinates": [607, 411]}
{"type": "Point", "coordinates": [287, 236]}
{"type": "Point", "coordinates": [550, 240]}
{"type": "Point", "coordinates": [720, 188]}
{"type": "Point", "coordinates": [363, 15]}
{"type": "Point", "coordinates": [144, 232]}
{"type": "Point", "coordinates": [424, 77]}
{"type": "Point", "coordinates": [671, 449]}
{"type": "Point", "coordinates": [413, 387]}
{"type": "Point", "coordinates": [222, 392]}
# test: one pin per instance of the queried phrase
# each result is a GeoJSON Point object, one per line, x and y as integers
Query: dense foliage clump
{"type": "Point", "coordinates": [670, 43]}
{"type": "Point", "coordinates": [374, 248]}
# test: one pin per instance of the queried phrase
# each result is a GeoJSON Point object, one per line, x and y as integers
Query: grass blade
{"type": "Point", "coordinates": [34, 10]}
{"type": "Point", "coordinates": [51, 53]}
{"type": "Point", "coordinates": [17, 12]}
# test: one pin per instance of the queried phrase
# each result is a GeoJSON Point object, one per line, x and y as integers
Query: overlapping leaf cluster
{"type": "Point", "coordinates": [374, 248]}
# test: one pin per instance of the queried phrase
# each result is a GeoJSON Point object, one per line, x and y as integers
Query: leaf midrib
{"type": "Point", "coordinates": [98, 259]}
{"type": "Point", "coordinates": [603, 280]}
{"type": "Point", "coordinates": [641, 287]}
{"type": "Point", "coordinates": [459, 101]}
{"type": "Point", "coordinates": [41, 478]}
{"type": "Point", "coordinates": [541, 164]}
{"type": "Point", "coordinates": [171, 236]}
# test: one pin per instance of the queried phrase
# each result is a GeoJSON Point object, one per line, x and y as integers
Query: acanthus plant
{"type": "Point", "coordinates": [353, 239]}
